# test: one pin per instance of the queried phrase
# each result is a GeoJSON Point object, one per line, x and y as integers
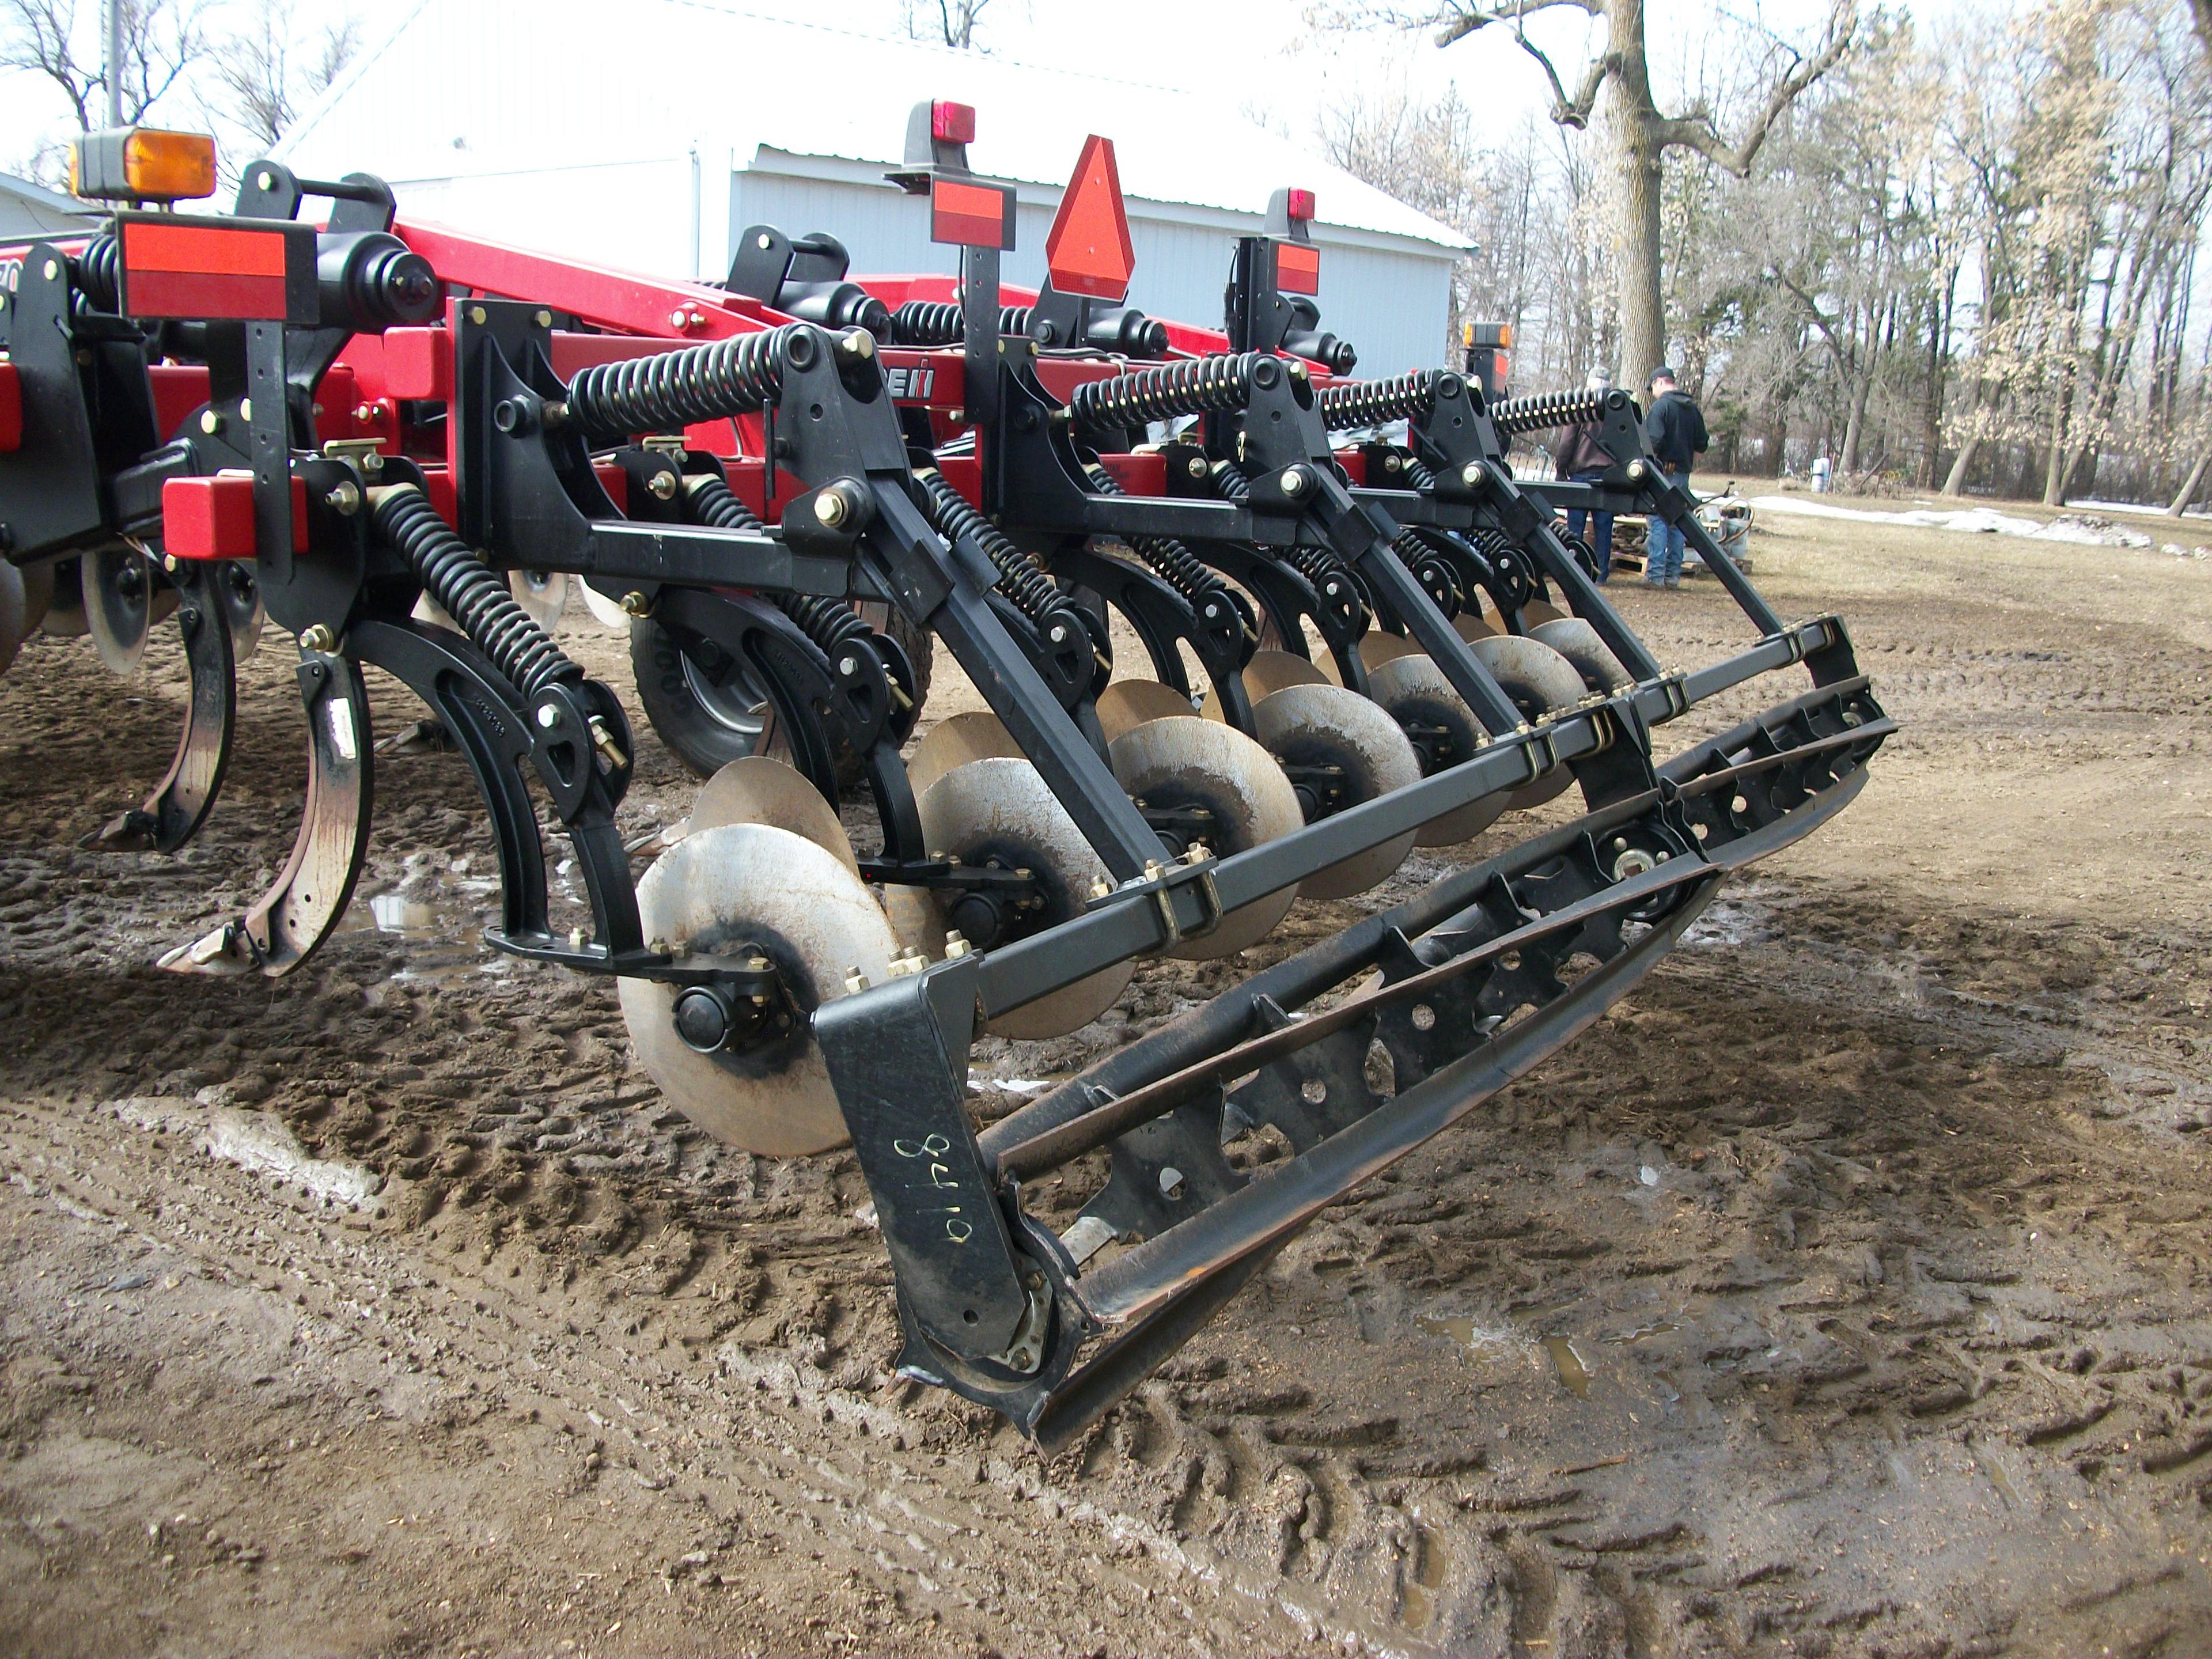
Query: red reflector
{"type": "Point", "coordinates": [971, 216]}
{"type": "Point", "coordinates": [1297, 268]}
{"type": "Point", "coordinates": [213, 518]}
{"type": "Point", "coordinates": [1501, 367]}
{"type": "Point", "coordinates": [231, 271]}
{"type": "Point", "coordinates": [1300, 204]}
{"type": "Point", "coordinates": [1088, 252]}
{"type": "Point", "coordinates": [11, 410]}
{"type": "Point", "coordinates": [952, 124]}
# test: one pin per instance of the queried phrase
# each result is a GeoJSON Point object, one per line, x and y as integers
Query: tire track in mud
{"type": "Point", "coordinates": [1901, 1342]}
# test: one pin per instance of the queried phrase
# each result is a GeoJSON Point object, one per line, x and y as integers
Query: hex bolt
{"type": "Point", "coordinates": [1473, 476]}
{"type": "Point", "coordinates": [478, 315]}
{"type": "Point", "coordinates": [849, 666]}
{"type": "Point", "coordinates": [1637, 471]}
{"type": "Point", "coordinates": [1295, 481]}
{"type": "Point", "coordinates": [662, 485]}
{"type": "Point", "coordinates": [856, 982]}
{"type": "Point", "coordinates": [955, 945]}
{"type": "Point", "coordinates": [636, 605]}
{"type": "Point", "coordinates": [318, 637]}
{"type": "Point", "coordinates": [858, 342]}
{"type": "Point", "coordinates": [548, 716]}
{"type": "Point", "coordinates": [545, 319]}
{"type": "Point", "coordinates": [210, 422]}
{"type": "Point", "coordinates": [344, 498]}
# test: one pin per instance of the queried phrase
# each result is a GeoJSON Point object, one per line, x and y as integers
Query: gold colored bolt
{"type": "Point", "coordinates": [636, 605]}
{"type": "Point", "coordinates": [545, 319]}
{"type": "Point", "coordinates": [478, 315]}
{"type": "Point", "coordinates": [662, 486]}
{"type": "Point", "coordinates": [210, 422]}
{"type": "Point", "coordinates": [344, 498]}
{"type": "Point", "coordinates": [831, 507]}
{"type": "Point", "coordinates": [856, 982]}
{"type": "Point", "coordinates": [1099, 890]}
{"type": "Point", "coordinates": [318, 637]}
{"type": "Point", "coordinates": [1471, 475]}
{"type": "Point", "coordinates": [955, 945]}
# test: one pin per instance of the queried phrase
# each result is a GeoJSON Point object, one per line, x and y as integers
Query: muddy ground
{"type": "Point", "coordinates": [1844, 1292]}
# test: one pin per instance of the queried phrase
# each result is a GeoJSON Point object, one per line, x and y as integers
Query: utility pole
{"type": "Point", "coordinates": [114, 71]}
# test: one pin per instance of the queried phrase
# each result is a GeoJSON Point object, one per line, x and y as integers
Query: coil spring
{"type": "Point", "coordinates": [472, 593]}
{"type": "Point", "coordinates": [1378, 403]}
{"type": "Point", "coordinates": [1197, 386]}
{"type": "Point", "coordinates": [1168, 558]}
{"type": "Point", "coordinates": [829, 622]}
{"type": "Point", "coordinates": [1317, 565]}
{"type": "Point", "coordinates": [942, 323]}
{"type": "Point", "coordinates": [96, 276]}
{"type": "Point", "coordinates": [737, 376]}
{"type": "Point", "coordinates": [1026, 583]}
{"type": "Point", "coordinates": [1547, 408]}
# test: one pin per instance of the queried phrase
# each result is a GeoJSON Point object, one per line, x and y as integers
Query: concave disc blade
{"type": "Point", "coordinates": [715, 893]}
{"type": "Point", "coordinates": [754, 789]}
{"type": "Point", "coordinates": [119, 595]}
{"type": "Point", "coordinates": [15, 614]}
{"type": "Point", "coordinates": [1127, 704]}
{"type": "Point", "coordinates": [1538, 611]}
{"type": "Point", "coordinates": [608, 613]}
{"type": "Point", "coordinates": [1182, 762]}
{"type": "Point", "coordinates": [543, 595]}
{"type": "Point", "coordinates": [239, 595]}
{"type": "Point", "coordinates": [955, 742]}
{"type": "Point", "coordinates": [1269, 671]}
{"type": "Point", "coordinates": [1375, 648]}
{"type": "Point", "coordinates": [37, 594]}
{"type": "Point", "coordinates": [1414, 690]}
{"type": "Point", "coordinates": [998, 809]}
{"type": "Point", "coordinates": [1328, 726]}
{"type": "Point", "coordinates": [1471, 626]}
{"type": "Point", "coordinates": [64, 617]}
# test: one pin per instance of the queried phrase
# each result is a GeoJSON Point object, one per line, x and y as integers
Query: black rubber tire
{"type": "Point", "coordinates": [707, 735]}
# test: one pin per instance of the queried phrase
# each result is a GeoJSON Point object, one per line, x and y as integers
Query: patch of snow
{"type": "Point", "coordinates": [2081, 529]}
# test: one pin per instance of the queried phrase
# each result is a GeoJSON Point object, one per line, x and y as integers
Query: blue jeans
{"type": "Point", "coordinates": [1662, 556]}
{"type": "Point", "coordinates": [1601, 528]}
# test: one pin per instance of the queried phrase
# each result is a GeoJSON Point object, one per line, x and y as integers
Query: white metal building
{"type": "Point", "coordinates": [650, 134]}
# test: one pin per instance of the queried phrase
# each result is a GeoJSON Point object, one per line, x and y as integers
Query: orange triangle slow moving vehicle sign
{"type": "Point", "coordinates": [1088, 252]}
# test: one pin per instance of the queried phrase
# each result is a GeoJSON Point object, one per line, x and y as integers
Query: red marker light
{"type": "Point", "coordinates": [1300, 204]}
{"type": "Point", "coordinates": [952, 124]}
{"type": "Point", "coordinates": [1089, 250]}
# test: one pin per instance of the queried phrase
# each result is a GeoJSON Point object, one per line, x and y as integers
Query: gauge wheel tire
{"type": "Point", "coordinates": [707, 727]}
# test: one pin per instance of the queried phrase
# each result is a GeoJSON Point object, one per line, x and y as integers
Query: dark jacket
{"type": "Point", "coordinates": [1676, 429]}
{"type": "Point", "coordinates": [1579, 451]}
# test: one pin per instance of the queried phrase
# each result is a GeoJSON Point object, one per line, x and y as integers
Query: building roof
{"type": "Point", "coordinates": [29, 212]}
{"type": "Point", "coordinates": [482, 87]}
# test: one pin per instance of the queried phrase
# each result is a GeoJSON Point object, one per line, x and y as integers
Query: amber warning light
{"type": "Point", "coordinates": [143, 164]}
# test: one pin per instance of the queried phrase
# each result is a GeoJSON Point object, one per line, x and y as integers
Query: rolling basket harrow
{"type": "Point", "coordinates": [403, 445]}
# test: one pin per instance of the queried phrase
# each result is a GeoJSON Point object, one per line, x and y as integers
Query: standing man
{"type": "Point", "coordinates": [1675, 427]}
{"type": "Point", "coordinates": [1581, 461]}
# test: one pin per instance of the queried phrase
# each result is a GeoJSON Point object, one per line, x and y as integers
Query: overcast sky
{"type": "Point", "coordinates": [1262, 56]}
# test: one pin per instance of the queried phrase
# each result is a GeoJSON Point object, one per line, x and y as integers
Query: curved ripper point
{"type": "Point", "coordinates": [301, 908]}
{"type": "Point", "coordinates": [172, 814]}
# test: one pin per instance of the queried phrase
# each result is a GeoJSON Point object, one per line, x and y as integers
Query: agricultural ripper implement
{"type": "Point", "coordinates": [752, 471]}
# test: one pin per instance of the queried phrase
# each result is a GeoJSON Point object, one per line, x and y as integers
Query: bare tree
{"type": "Point", "coordinates": [267, 73]}
{"type": "Point", "coordinates": [1642, 132]}
{"type": "Point", "coordinates": [953, 20]}
{"type": "Point", "coordinates": [161, 41]}
{"type": "Point", "coordinates": [2202, 10]}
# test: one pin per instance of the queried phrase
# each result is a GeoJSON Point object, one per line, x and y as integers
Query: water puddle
{"type": "Point", "coordinates": [1574, 1371]}
{"type": "Point", "coordinates": [1477, 1341]}
{"type": "Point", "coordinates": [437, 947]}
{"type": "Point", "coordinates": [1643, 1333]}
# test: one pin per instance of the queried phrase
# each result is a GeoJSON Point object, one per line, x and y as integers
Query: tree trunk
{"type": "Point", "coordinates": [2189, 490]}
{"type": "Point", "coordinates": [1956, 482]}
{"type": "Point", "coordinates": [1637, 119]}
